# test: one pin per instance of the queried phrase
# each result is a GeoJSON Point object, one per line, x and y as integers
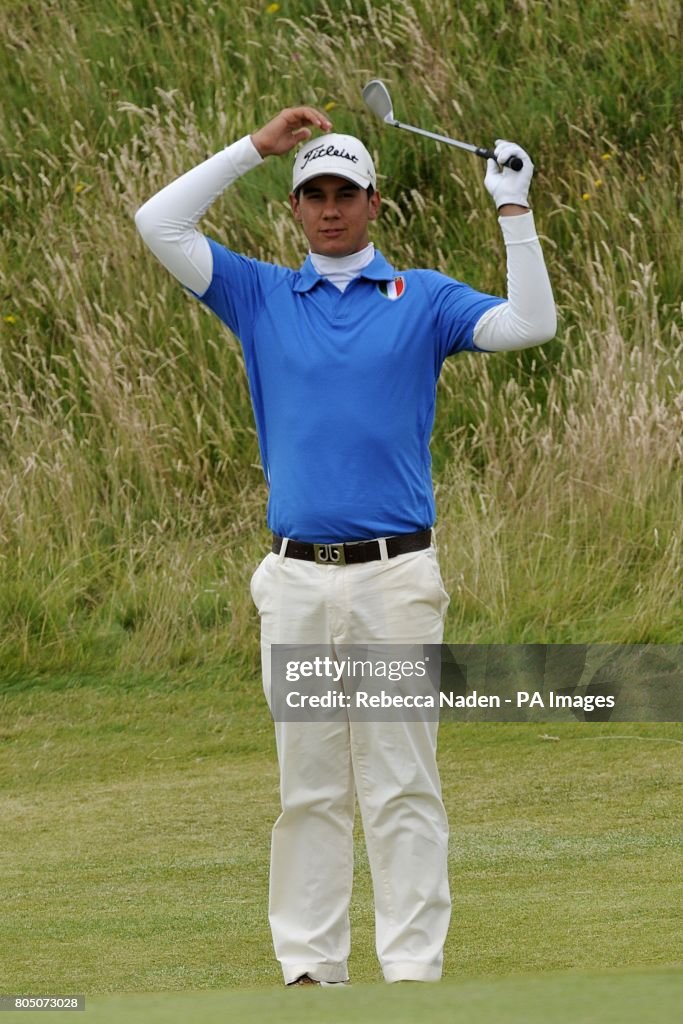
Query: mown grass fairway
{"type": "Point", "coordinates": [609, 998]}
{"type": "Point", "coordinates": [136, 817]}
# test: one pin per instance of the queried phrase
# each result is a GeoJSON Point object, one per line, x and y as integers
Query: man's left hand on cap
{"type": "Point", "coordinates": [287, 129]}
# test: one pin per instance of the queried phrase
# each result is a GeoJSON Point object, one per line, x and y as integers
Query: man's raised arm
{"type": "Point", "coordinates": [168, 221]}
{"type": "Point", "coordinates": [528, 317]}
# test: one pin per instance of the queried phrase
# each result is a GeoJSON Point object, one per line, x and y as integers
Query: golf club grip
{"type": "Point", "coordinates": [514, 163]}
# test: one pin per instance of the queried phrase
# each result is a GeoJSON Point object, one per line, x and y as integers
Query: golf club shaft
{"type": "Point", "coordinates": [487, 154]}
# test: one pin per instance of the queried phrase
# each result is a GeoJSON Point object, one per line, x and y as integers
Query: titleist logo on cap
{"type": "Point", "coordinates": [318, 151]}
{"type": "Point", "coordinates": [343, 155]}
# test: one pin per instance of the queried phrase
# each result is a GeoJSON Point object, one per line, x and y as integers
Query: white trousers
{"type": "Point", "coordinates": [390, 766]}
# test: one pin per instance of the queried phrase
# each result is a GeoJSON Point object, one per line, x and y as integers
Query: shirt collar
{"type": "Point", "coordinates": [377, 270]}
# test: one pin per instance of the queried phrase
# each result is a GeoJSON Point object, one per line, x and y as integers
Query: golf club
{"type": "Point", "coordinates": [377, 98]}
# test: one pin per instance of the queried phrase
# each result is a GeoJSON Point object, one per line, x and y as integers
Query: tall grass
{"type": "Point", "coordinates": [131, 499]}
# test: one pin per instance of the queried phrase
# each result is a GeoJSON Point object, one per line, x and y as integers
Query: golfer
{"type": "Point", "coordinates": [343, 357]}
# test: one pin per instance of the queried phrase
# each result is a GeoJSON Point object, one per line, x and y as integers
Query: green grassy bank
{"type": "Point", "coordinates": [131, 500]}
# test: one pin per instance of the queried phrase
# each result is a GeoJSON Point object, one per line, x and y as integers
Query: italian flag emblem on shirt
{"type": "Point", "coordinates": [393, 289]}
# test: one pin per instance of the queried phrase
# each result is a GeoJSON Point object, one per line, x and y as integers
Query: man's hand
{"type": "Point", "coordinates": [508, 187]}
{"type": "Point", "coordinates": [288, 129]}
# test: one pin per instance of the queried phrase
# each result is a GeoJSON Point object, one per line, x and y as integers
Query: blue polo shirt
{"type": "Point", "coordinates": [343, 386]}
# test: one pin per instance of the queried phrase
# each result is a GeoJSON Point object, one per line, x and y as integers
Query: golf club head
{"type": "Point", "coordinates": [376, 96]}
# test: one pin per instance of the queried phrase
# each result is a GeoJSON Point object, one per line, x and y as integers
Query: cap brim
{"type": "Point", "coordinates": [320, 173]}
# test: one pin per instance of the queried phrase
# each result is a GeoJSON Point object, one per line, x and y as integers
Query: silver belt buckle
{"type": "Point", "coordinates": [329, 554]}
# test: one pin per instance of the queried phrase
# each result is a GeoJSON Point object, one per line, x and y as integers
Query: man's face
{"type": "Point", "coordinates": [334, 214]}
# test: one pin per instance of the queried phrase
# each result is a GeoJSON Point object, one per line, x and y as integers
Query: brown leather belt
{"type": "Point", "coordinates": [354, 551]}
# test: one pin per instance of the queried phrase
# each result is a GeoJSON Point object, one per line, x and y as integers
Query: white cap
{"type": "Point", "coordinates": [341, 155]}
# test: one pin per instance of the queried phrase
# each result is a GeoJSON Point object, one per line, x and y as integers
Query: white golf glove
{"type": "Point", "coordinates": [504, 184]}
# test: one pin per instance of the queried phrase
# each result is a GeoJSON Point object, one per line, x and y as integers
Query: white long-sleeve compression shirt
{"type": "Point", "coordinates": [168, 224]}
